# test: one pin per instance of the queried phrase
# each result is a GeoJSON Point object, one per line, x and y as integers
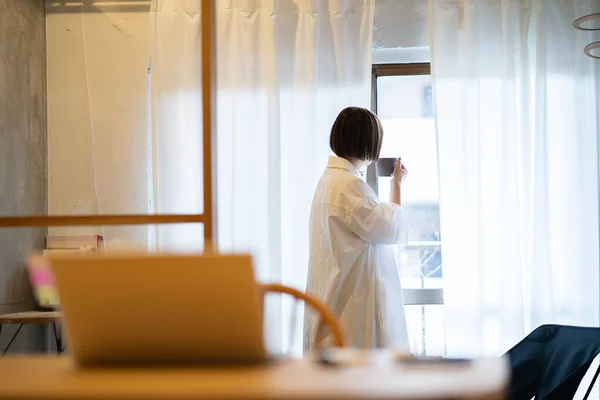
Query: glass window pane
{"type": "Point", "coordinates": [405, 109]}
{"type": "Point", "coordinates": [404, 105]}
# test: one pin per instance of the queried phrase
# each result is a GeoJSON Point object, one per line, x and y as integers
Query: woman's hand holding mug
{"type": "Point", "coordinates": [400, 172]}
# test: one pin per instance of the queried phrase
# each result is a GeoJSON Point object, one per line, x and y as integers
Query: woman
{"type": "Point", "coordinates": [352, 266]}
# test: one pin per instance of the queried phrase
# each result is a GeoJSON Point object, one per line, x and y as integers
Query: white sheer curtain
{"type": "Point", "coordinates": [175, 146]}
{"type": "Point", "coordinates": [517, 124]}
{"type": "Point", "coordinates": [285, 69]}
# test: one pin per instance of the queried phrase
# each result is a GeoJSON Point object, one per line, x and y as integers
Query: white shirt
{"type": "Point", "coordinates": [352, 265]}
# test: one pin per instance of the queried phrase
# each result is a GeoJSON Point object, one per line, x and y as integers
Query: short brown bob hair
{"type": "Point", "coordinates": [356, 133]}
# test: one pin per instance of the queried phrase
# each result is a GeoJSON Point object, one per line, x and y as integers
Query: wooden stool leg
{"type": "Point", "coordinates": [13, 339]}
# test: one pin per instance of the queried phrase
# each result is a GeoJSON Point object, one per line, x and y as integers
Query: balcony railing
{"type": "Point", "coordinates": [424, 305]}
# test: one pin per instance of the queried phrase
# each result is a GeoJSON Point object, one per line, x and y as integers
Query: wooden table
{"type": "Point", "coordinates": [32, 317]}
{"type": "Point", "coordinates": [27, 377]}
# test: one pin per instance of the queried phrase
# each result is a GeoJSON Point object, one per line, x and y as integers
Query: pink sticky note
{"type": "Point", "coordinates": [42, 277]}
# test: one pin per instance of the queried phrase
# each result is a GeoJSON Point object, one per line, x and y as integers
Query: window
{"type": "Point", "coordinates": [402, 97]}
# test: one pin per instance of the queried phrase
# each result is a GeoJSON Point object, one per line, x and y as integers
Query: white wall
{"type": "Point", "coordinates": [97, 60]}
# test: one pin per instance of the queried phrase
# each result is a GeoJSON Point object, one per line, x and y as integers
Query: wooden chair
{"type": "Point", "coordinates": [328, 320]}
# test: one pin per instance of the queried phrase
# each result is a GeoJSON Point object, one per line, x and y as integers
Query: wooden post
{"type": "Point", "coordinates": [98, 220]}
{"type": "Point", "coordinates": [209, 142]}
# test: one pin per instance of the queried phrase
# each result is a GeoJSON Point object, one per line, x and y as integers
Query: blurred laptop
{"type": "Point", "coordinates": [161, 309]}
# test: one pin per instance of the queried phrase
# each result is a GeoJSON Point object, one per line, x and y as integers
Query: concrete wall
{"type": "Point", "coordinates": [23, 179]}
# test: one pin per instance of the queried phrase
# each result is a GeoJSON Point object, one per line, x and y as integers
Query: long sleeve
{"type": "Point", "coordinates": [381, 223]}
{"type": "Point", "coordinates": [369, 219]}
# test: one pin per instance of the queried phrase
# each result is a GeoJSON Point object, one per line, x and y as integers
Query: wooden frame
{"type": "Point", "coordinates": [401, 69]}
{"type": "Point", "coordinates": [208, 218]}
{"type": "Point", "coordinates": [209, 140]}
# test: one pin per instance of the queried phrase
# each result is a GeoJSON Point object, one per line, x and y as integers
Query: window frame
{"type": "Point", "coordinates": [412, 296]}
{"type": "Point", "coordinates": [389, 70]}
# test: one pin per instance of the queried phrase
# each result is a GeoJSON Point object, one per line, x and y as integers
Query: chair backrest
{"type": "Point", "coordinates": [328, 320]}
{"type": "Point", "coordinates": [551, 362]}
